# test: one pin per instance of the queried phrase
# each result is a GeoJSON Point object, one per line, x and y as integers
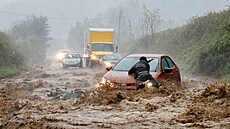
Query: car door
{"type": "Point", "coordinates": [169, 70]}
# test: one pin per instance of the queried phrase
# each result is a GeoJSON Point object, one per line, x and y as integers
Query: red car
{"type": "Point", "coordinates": [162, 67]}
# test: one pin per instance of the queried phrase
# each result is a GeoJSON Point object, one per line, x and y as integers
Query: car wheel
{"type": "Point", "coordinates": [64, 66]}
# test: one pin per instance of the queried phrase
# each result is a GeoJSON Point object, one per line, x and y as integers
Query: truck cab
{"type": "Point", "coordinates": [101, 42]}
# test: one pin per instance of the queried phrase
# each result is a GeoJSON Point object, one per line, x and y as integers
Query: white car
{"type": "Point", "coordinates": [72, 60]}
{"type": "Point", "coordinates": [111, 59]}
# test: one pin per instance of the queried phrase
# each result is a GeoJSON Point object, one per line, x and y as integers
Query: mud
{"type": "Point", "coordinates": [52, 97]}
{"type": "Point", "coordinates": [211, 104]}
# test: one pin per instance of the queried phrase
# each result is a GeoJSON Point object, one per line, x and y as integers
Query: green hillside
{"type": "Point", "coordinates": [201, 47]}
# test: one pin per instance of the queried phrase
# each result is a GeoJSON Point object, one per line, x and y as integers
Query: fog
{"type": "Point", "coordinates": [63, 14]}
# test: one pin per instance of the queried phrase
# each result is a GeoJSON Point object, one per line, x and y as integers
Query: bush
{"type": "Point", "coordinates": [201, 47]}
{"type": "Point", "coordinates": [214, 60]}
{"type": "Point", "coordinates": [8, 72]}
{"type": "Point", "coordinates": [11, 61]}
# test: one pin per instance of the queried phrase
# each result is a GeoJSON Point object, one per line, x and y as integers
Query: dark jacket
{"type": "Point", "coordinates": [140, 66]}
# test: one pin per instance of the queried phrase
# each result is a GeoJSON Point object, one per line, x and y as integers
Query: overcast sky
{"type": "Point", "coordinates": [5, 2]}
{"type": "Point", "coordinates": [177, 10]}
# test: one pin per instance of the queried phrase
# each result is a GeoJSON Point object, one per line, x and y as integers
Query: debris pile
{"type": "Point", "coordinates": [212, 104]}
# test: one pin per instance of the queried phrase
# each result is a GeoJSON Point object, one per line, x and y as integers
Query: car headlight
{"type": "Point", "coordinates": [149, 84]}
{"type": "Point", "coordinates": [104, 82]}
{"type": "Point", "coordinates": [60, 56]}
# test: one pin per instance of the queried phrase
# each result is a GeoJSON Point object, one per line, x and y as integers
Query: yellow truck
{"type": "Point", "coordinates": [101, 42]}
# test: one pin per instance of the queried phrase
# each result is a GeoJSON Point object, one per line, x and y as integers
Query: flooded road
{"type": "Point", "coordinates": [52, 97]}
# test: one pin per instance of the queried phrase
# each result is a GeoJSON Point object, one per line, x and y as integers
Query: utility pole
{"type": "Point", "coordinates": [85, 42]}
{"type": "Point", "coordinates": [119, 28]}
{"type": "Point", "coordinates": [130, 29]}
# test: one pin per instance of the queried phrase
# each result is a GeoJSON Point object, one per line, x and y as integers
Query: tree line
{"type": "Point", "coordinates": [23, 45]}
{"type": "Point", "coordinates": [201, 47]}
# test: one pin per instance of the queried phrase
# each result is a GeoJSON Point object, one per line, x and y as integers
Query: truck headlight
{"type": "Point", "coordinates": [94, 57]}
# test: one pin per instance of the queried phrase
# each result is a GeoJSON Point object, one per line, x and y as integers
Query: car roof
{"type": "Point", "coordinates": [146, 55]}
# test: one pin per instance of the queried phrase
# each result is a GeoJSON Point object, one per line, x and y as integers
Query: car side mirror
{"type": "Point", "coordinates": [88, 46]}
{"type": "Point", "coordinates": [167, 69]}
{"type": "Point", "coordinates": [116, 48]}
{"type": "Point", "coordinates": [108, 68]}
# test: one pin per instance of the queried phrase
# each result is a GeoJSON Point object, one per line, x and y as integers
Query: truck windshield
{"type": "Point", "coordinates": [102, 47]}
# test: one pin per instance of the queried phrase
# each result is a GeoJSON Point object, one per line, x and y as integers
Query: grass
{"type": "Point", "coordinates": [6, 71]}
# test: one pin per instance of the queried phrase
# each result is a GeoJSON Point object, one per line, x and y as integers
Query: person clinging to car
{"type": "Point", "coordinates": [140, 72]}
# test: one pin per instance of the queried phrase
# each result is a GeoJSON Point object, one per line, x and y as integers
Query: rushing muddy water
{"type": "Point", "coordinates": [52, 97]}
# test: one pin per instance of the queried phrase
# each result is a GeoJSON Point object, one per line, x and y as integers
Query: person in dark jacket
{"type": "Point", "coordinates": [140, 71]}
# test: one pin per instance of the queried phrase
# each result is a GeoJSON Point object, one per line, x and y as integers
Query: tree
{"type": "Point", "coordinates": [30, 37]}
{"type": "Point", "coordinates": [149, 22]}
{"type": "Point", "coordinates": [75, 41]}
{"type": "Point", "coordinates": [5, 49]}
{"type": "Point", "coordinates": [8, 53]}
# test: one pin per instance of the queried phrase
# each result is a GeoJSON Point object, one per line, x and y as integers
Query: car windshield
{"type": "Point", "coordinates": [102, 47]}
{"type": "Point", "coordinates": [73, 56]}
{"type": "Point", "coordinates": [113, 57]}
{"type": "Point", "coordinates": [126, 64]}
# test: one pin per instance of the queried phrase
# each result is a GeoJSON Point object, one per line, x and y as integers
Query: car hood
{"type": "Point", "coordinates": [121, 77]}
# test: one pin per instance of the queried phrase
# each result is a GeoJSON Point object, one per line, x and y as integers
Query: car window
{"type": "Point", "coordinates": [154, 65]}
{"type": "Point", "coordinates": [67, 56]}
{"type": "Point", "coordinates": [75, 56]}
{"type": "Point", "coordinates": [102, 47]}
{"type": "Point", "coordinates": [126, 64]}
{"type": "Point", "coordinates": [113, 57]}
{"type": "Point", "coordinates": [164, 63]}
{"type": "Point", "coordinates": [171, 64]}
